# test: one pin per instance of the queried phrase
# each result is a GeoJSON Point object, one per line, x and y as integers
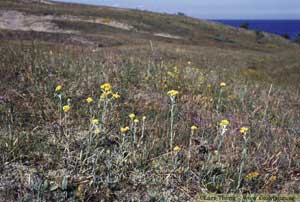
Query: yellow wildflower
{"type": "Point", "coordinates": [66, 108]}
{"type": "Point", "coordinates": [97, 131]}
{"type": "Point", "coordinates": [79, 192]}
{"type": "Point", "coordinates": [106, 87]}
{"type": "Point", "coordinates": [194, 127]}
{"type": "Point", "coordinates": [136, 121]}
{"type": "Point", "coordinates": [171, 74]}
{"type": "Point", "coordinates": [176, 149]}
{"type": "Point", "coordinates": [189, 62]}
{"type": "Point", "coordinates": [58, 88]}
{"type": "Point", "coordinates": [173, 93]}
{"type": "Point", "coordinates": [95, 121]}
{"type": "Point", "coordinates": [222, 84]}
{"type": "Point", "coordinates": [89, 100]}
{"type": "Point", "coordinates": [116, 95]}
{"type": "Point", "coordinates": [132, 116]}
{"type": "Point", "coordinates": [251, 176]}
{"type": "Point", "coordinates": [273, 178]}
{"type": "Point", "coordinates": [175, 69]}
{"type": "Point", "coordinates": [180, 170]}
{"type": "Point", "coordinates": [124, 130]}
{"type": "Point", "coordinates": [244, 130]}
{"type": "Point", "coordinates": [104, 95]}
{"type": "Point", "coordinates": [224, 123]}
{"type": "Point", "coordinates": [144, 118]}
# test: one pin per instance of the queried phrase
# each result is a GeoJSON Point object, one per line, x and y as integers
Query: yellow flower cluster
{"type": "Point", "coordinates": [106, 87]}
{"type": "Point", "coordinates": [132, 116]}
{"type": "Point", "coordinates": [58, 88]}
{"type": "Point", "coordinates": [66, 108]}
{"type": "Point", "coordinates": [171, 74]}
{"type": "Point", "coordinates": [194, 127]}
{"type": "Point", "coordinates": [136, 121]}
{"type": "Point", "coordinates": [105, 95]}
{"type": "Point", "coordinates": [124, 130]}
{"type": "Point", "coordinates": [222, 84]}
{"type": "Point", "coordinates": [250, 176]}
{"type": "Point", "coordinates": [176, 149]}
{"type": "Point", "coordinates": [273, 178]}
{"type": "Point", "coordinates": [224, 123]}
{"type": "Point", "coordinates": [116, 95]}
{"type": "Point", "coordinates": [244, 130]}
{"type": "Point", "coordinates": [95, 122]}
{"type": "Point", "coordinates": [173, 93]}
{"type": "Point", "coordinates": [97, 131]}
{"type": "Point", "coordinates": [89, 100]}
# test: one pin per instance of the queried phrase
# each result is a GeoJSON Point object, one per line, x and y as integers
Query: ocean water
{"type": "Point", "coordinates": [280, 27]}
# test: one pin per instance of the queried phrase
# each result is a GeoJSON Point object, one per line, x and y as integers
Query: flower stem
{"type": "Point", "coordinates": [244, 153]}
{"type": "Point", "coordinates": [171, 127]}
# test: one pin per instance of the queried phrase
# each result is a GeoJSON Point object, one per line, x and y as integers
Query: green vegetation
{"type": "Point", "coordinates": [245, 25]}
{"type": "Point", "coordinates": [103, 112]}
{"type": "Point", "coordinates": [286, 36]}
{"type": "Point", "coordinates": [297, 39]}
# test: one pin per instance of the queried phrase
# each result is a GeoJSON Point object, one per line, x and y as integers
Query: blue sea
{"type": "Point", "coordinates": [280, 27]}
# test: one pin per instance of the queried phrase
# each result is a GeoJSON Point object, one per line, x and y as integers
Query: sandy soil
{"type": "Point", "coordinates": [14, 20]}
{"type": "Point", "coordinates": [166, 35]}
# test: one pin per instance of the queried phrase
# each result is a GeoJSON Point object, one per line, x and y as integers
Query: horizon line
{"type": "Point", "coordinates": [165, 12]}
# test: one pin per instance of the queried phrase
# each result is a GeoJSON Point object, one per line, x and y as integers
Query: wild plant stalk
{"type": "Point", "coordinates": [219, 101]}
{"type": "Point", "coordinates": [193, 128]}
{"type": "Point", "coordinates": [244, 157]}
{"type": "Point", "coordinates": [172, 94]}
{"type": "Point", "coordinates": [134, 133]}
{"type": "Point", "coordinates": [175, 151]}
{"type": "Point", "coordinates": [175, 160]}
{"type": "Point", "coordinates": [60, 108]}
{"type": "Point", "coordinates": [123, 134]}
{"type": "Point", "coordinates": [68, 136]}
{"type": "Point", "coordinates": [103, 116]}
{"type": "Point", "coordinates": [223, 124]}
{"type": "Point", "coordinates": [171, 124]}
{"type": "Point", "coordinates": [173, 103]}
{"type": "Point", "coordinates": [142, 136]}
{"type": "Point", "coordinates": [66, 125]}
{"type": "Point", "coordinates": [90, 137]}
{"type": "Point", "coordinates": [222, 85]}
{"type": "Point", "coordinates": [267, 102]}
{"type": "Point", "coordinates": [222, 134]}
{"type": "Point", "coordinates": [91, 111]}
{"type": "Point", "coordinates": [131, 116]}
{"type": "Point", "coordinates": [10, 121]}
{"type": "Point", "coordinates": [143, 128]}
{"type": "Point", "coordinates": [93, 131]}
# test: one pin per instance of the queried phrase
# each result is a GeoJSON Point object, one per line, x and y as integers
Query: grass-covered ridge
{"type": "Point", "coordinates": [209, 116]}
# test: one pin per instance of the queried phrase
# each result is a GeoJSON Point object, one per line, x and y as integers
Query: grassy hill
{"type": "Point", "coordinates": [49, 153]}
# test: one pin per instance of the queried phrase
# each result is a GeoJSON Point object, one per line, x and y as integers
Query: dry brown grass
{"type": "Point", "coordinates": [44, 160]}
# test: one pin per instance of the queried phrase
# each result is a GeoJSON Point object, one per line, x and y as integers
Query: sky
{"type": "Point", "coordinates": [212, 9]}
